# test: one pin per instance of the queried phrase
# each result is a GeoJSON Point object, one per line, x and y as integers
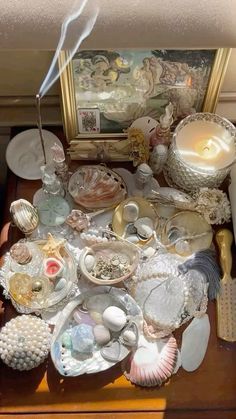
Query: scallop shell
{"type": "Point", "coordinates": [24, 215]}
{"type": "Point", "coordinates": [96, 187]}
{"type": "Point", "coordinates": [153, 362]}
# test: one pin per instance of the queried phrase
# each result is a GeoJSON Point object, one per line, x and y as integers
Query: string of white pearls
{"type": "Point", "coordinates": [24, 342]}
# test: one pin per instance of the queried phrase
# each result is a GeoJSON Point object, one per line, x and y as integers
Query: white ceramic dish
{"type": "Point", "coordinates": [24, 153]}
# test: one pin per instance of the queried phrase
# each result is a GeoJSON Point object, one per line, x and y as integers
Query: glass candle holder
{"type": "Point", "coordinates": [201, 153]}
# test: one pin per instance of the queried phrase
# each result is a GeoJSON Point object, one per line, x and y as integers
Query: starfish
{"type": "Point", "coordinates": [53, 247]}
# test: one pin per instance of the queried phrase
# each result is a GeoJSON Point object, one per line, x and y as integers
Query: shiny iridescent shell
{"type": "Point", "coordinates": [96, 187]}
{"type": "Point", "coordinates": [24, 215]}
{"type": "Point", "coordinates": [75, 351]}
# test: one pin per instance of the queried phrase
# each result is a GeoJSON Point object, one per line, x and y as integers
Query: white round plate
{"type": "Point", "coordinates": [24, 154]}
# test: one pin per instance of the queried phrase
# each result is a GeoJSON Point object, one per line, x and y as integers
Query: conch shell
{"type": "Point", "coordinates": [24, 215]}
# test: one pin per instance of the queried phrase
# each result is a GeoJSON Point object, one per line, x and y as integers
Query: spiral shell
{"type": "Point", "coordinates": [24, 215]}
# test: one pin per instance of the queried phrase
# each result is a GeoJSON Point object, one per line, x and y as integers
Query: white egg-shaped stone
{"type": "Point", "coordinates": [89, 262]}
{"type": "Point", "coordinates": [130, 211]}
{"type": "Point", "coordinates": [132, 238]}
{"type": "Point", "coordinates": [102, 334]}
{"type": "Point", "coordinates": [149, 252]}
{"type": "Point", "coordinates": [114, 318]}
{"type": "Point", "coordinates": [144, 227]}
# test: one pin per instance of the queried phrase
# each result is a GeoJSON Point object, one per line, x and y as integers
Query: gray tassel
{"type": "Point", "coordinates": [205, 262]}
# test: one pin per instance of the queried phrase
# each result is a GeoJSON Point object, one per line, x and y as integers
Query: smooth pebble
{"type": "Point", "coordinates": [130, 211]}
{"type": "Point", "coordinates": [132, 238]}
{"type": "Point", "coordinates": [129, 337]}
{"type": "Point", "coordinates": [102, 334]}
{"type": "Point", "coordinates": [114, 318]}
{"type": "Point", "coordinates": [144, 227]}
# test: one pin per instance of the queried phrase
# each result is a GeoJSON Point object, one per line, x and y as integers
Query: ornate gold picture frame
{"type": "Point", "coordinates": [104, 91]}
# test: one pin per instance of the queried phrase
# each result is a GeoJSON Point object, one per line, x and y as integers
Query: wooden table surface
{"type": "Point", "coordinates": [209, 392]}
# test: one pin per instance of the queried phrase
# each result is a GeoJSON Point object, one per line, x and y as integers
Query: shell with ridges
{"type": "Point", "coordinates": [24, 215]}
{"type": "Point", "coordinates": [153, 362]}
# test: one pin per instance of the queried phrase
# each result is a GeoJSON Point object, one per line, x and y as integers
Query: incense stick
{"type": "Point", "coordinates": [38, 98]}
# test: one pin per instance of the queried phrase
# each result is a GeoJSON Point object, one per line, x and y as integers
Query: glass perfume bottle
{"type": "Point", "coordinates": [53, 208]}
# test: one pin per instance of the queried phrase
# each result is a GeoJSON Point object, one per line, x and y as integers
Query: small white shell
{"type": "Point", "coordinates": [130, 211]}
{"type": "Point", "coordinates": [114, 318]}
{"type": "Point", "coordinates": [89, 262]}
{"type": "Point", "coordinates": [24, 215]}
{"type": "Point", "coordinates": [144, 227]}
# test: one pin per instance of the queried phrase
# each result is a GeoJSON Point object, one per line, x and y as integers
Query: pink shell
{"type": "Point", "coordinates": [96, 186]}
{"type": "Point", "coordinates": [151, 366]}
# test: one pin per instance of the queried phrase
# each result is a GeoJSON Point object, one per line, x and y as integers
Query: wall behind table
{"type": "Point", "coordinates": [21, 73]}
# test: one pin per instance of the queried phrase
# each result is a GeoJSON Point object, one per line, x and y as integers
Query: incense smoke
{"type": "Point", "coordinates": [80, 30]}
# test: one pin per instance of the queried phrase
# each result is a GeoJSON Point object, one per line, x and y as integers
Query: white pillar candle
{"type": "Point", "coordinates": [205, 146]}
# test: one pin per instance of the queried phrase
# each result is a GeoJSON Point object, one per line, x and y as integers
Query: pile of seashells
{"type": "Point", "coordinates": [158, 249]}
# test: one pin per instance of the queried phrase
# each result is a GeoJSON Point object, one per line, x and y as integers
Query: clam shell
{"type": "Point", "coordinates": [24, 215]}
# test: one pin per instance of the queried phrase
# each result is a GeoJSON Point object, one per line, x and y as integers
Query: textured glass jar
{"type": "Point", "coordinates": [181, 174]}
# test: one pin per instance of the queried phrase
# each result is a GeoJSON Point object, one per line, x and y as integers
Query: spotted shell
{"type": "Point", "coordinates": [24, 215]}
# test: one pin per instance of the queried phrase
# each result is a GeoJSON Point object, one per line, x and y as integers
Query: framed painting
{"type": "Point", "coordinates": [103, 92]}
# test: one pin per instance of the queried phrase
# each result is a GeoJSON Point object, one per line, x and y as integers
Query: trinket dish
{"type": "Point", "coordinates": [96, 186]}
{"type": "Point", "coordinates": [91, 333]}
{"type": "Point", "coordinates": [24, 154]}
{"type": "Point", "coordinates": [144, 222]}
{"type": "Point", "coordinates": [187, 232]}
{"type": "Point", "coordinates": [109, 263]}
{"type": "Point", "coordinates": [167, 298]}
{"type": "Point", "coordinates": [44, 280]}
